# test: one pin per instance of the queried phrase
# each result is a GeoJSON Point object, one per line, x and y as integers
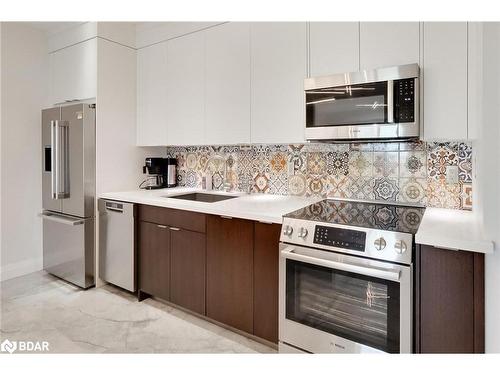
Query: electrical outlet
{"type": "Point", "coordinates": [452, 174]}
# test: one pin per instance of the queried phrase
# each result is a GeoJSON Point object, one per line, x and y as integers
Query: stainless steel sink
{"type": "Point", "coordinates": [202, 197]}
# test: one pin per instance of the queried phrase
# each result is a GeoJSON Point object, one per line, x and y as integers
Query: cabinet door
{"type": "Point", "coordinates": [445, 80]}
{"type": "Point", "coordinates": [74, 72]}
{"type": "Point", "coordinates": [151, 96]}
{"type": "Point", "coordinates": [451, 301]}
{"type": "Point", "coordinates": [185, 82]}
{"type": "Point", "coordinates": [230, 272]}
{"type": "Point", "coordinates": [388, 44]}
{"type": "Point", "coordinates": [334, 47]}
{"type": "Point", "coordinates": [265, 281]}
{"type": "Point", "coordinates": [278, 69]}
{"type": "Point", "coordinates": [154, 259]}
{"type": "Point", "coordinates": [475, 83]}
{"type": "Point", "coordinates": [227, 93]}
{"type": "Point", "coordinates": [188, 261]}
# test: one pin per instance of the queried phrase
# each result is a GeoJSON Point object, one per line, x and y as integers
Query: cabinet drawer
{"type": "Point", "coordinates": [176, 218]}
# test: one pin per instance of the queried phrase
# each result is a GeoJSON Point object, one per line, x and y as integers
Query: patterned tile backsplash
{"type": "Point", "coordinates": [394, 172]}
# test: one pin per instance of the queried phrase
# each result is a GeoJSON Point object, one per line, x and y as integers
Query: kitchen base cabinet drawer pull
{"type": "Point", "coordinates": [225, 217]}
{"type": "Point", "coordinates": [174, 228]}
{"type": "Point", "coordinates": [161, 226]}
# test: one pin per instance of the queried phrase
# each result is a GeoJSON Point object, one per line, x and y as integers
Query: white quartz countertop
{"type": "Point", "coordinates": [260, 207]}
{"type": "Point", "coordinates": [452, 229]}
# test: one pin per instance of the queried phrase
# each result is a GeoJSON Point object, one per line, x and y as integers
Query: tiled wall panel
{"type": "Point", "coordinates": [398, 172]}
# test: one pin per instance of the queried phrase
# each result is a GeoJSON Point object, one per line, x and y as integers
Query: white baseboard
{"type": "Point", "coordinates": [9, 271]}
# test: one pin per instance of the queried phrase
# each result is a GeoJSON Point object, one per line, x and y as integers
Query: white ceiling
{"type": "Point", "coordinates": [53, 27]}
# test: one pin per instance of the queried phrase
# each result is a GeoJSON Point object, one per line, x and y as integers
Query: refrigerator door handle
{"type": "Point", "coordinates": [63, 191]}
{"type": "Point", "coordinates": [59, 159]}
{"type": "Point", "coordinates": [61, 219]}
{"type": "Point", "coordinates": [54, 158]}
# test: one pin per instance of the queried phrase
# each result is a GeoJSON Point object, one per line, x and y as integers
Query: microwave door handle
{"type": "Point", "coordinates": [390, 102]}
{"type": "Point", "coordinates": [372, 272]}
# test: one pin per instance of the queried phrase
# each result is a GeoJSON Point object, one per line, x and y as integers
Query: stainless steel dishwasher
{"type": "Point", "coordinates": [117, 243]}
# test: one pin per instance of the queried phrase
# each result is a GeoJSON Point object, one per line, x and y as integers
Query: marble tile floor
{"type": "Point", "coordinates": [106, 320]}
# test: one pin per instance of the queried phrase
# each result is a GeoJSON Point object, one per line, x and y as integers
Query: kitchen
{"type": "Point", "coordinates": [250, 187]}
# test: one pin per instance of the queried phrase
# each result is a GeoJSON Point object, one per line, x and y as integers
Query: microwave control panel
{"type": "Point", "coordinates": [404, 100]}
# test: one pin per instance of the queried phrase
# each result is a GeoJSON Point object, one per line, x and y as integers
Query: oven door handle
{"type": "Point", "coordinates": [373, 272]}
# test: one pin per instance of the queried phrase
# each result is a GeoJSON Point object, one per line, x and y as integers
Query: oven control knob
{"type": "Point", "coordinates": [302, 233]}
{"type": "Point", "coordinates": [287, 230]}
{"type": "Point", "coordinates": [400, 247]}
{"type": "Point", "coordinates": [380, 244]}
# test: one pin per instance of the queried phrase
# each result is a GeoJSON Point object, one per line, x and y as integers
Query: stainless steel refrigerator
{"type": "Point", "coordinates": [68, 188]}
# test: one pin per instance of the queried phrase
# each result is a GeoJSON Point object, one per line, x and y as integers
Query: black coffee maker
{"type": "Point", "coordinates": [162, 171]}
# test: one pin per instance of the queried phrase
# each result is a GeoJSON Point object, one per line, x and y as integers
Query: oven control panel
{"type": "Point", "coordinates": [366, 242]}
{"type": "Point", "coordinates": [337, 237]}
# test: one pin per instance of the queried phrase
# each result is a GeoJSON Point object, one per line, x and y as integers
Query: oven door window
{"type": "Point", "coordinates": [356, 307]}
{"type": "Point", "coordinates": [348, 105]}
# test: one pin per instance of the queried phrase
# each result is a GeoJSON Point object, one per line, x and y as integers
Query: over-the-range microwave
{"type": "Point", "coordinates": [380, 104]}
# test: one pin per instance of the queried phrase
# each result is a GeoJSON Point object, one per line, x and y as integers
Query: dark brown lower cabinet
{"type": "Point", "coordinates": [154, 259]}
{"type": "Point", "coordinates": [230, 271]}
{"type": "Point", "coordinates": [450, 301]}
{"type": "Point", "coordinates": [188, 261]}
{"type": "Point", "coordinates": [265, 281]}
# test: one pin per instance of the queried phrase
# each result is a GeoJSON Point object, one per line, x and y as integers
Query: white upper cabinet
{"type": "Point", "coordinates": [333, 47]}
{"type": "Point", "coordinates": [243, 82]}
{"type": "Point", "coordinates": [445, 80]}
{"type": "Point", "coordinates": [388, 43]}
{"type": "Point", "coordinates": [152, 96]}
{"type": "Point", "coordinates": [278, 69]}
{"type": "Point", "coordinates": [227, 92]}
{"type": "Point", "coordinates": [185, 84]}
{"type": "Point", "coordinates": [149, 33]}
{"type": "Point", "coordinates": [74, 72]}
{"type": "Point", "coordinates": [475, 74]}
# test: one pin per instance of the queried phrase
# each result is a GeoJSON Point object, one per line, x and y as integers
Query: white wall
{"type": "Point", "coordinates": [488, 179]}
{"type": "Point", "coordinates": [1, 158]}
{"type": "Point", "coordinates": [24, 92]}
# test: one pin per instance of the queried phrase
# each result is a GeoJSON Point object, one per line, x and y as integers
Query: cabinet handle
{"type": "Point", "coordinates": [161, 226]}
{"type": "Point", "coordinates": [174, 228]}
{"type": "Point", "coordinates": [265, 222]}
{"type": "Point", "coordinates": [226, 217]}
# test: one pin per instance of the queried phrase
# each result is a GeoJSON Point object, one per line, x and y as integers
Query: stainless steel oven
{"type": "Point", "coordinates": [335, 303]}
{"type": "Point", "coordinates": [378, 104]}
{"type": "Point", "coordinates": [346, 278]}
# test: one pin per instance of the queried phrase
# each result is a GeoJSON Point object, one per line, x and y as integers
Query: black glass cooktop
{"type": "Point", "coordinates": [367, 215]}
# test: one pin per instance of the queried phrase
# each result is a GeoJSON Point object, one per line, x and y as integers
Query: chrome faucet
{"type": "Point", "coordinates": [226, 184]}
